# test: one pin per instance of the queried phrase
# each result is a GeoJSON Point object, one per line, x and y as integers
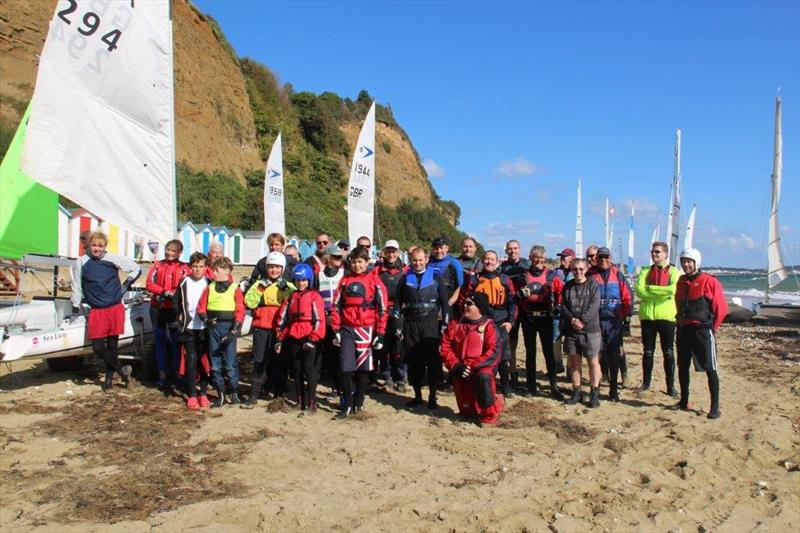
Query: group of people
{"type": "Point", "coordinates": [344, 319]}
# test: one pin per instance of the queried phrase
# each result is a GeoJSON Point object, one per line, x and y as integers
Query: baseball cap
{"type": "Point", "coordinates": [334, 250]}
{"type": "Point", "coordinates": [439, 241]}
{"type": "Point", "coordinates": [567, 252]}
{"type": "Point", "coordinates": [343, 244]}
{"type": "Point", "coordinates": [391, 243]}
{"type": "Point", "coordinates": [604, 251]}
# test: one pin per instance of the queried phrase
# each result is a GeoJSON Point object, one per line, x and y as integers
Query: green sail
{"type": "Point", "coordinates": [28, 210]}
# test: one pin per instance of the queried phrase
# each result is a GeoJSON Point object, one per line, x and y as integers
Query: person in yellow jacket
{"type": "Point", "coordinates": [655, 288]}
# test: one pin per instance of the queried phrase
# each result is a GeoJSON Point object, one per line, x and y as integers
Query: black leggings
{"type": "Point", "coordinates": [193, 347]}
{"type": "Point", "coordinates": [357, 400]}
{"type": "Point", "coordinates": [106, 349]}
{"type": "Point", "coordinates": [305, 369]}
{"type": "Point", "coordinates": [665, 331]}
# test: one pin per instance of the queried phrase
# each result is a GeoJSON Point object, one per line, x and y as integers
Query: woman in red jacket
{"type": "Point", "coordinates": [301, 328]}
{"type": "Point", "coordinates": [470, 352]}
{"type": "Point", "coordinates": [163, 280]}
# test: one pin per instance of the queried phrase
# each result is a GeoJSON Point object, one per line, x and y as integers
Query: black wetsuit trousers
{"type": "Point", "coordinates": [106, 349]}
{"type": "Point", "coordinates": [194, 345]}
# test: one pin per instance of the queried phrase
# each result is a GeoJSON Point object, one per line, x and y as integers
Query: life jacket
{"type": "Point", "coordinates": [303, 316]}
{"type": "Point", "coordinates": [327, 286]}
{"type": "Point", "coordinates": [610, 293]}
{"type": "Point", "coordinates": [266, 301]}
{"type": "Point", "coordinates": [658, 275]}
{"type": "Point", "coordinates": [165, 276]}
{"type": "Point", "coordinates": [515, 271]}
{"type": "Point", "coordinates": [420, 295]}
{"type": "Point", "coordinates": [221, 303]}
{"type": "Point", "coordinates": [316, 263]}
{"type": "Point", "coordinates": [360, 301]}
{"type": "Point", "coordinates": [390, 276]}
{"type": "Point", "coordinates": [492, 287]}
{"type": "Point", "coordinates": [694, 307]}
{"type": "Point", "coordinates": [541, 287]}
{"type": "Point", "coordinates": [440, 267]}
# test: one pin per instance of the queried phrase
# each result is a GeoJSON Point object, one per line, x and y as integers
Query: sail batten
{"type": "Point", "coordinates": [101, 129]}
{"type": "Point", "coordinates": [361, 188]}
{"type": "Point", "coordinates": [776, 270]}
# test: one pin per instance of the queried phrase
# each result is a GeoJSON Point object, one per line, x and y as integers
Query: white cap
{"type": "Point", "coordinates": [276, 258]}
{"type": "Point", "coordinates": [693, 254]}
{"type": "Point", "coordinates": [391, 243]}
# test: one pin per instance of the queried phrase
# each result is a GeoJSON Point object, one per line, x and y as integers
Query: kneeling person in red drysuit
{"type": "Point", "coordinates": [469, 351]}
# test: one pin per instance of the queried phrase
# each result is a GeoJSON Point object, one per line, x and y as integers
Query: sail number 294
{"type": "Point", "coordinates": [90, 23]}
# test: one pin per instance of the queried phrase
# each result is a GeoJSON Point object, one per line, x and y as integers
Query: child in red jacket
{"type": "Point", "coordinates": [358, 318]}
{"type": "Point", "coordinates": [469, 351]}
{"type": "Point", "coordinates": [301, 327]}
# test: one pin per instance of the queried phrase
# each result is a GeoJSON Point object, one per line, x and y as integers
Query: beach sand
{"type": "Point", "coordinates": [75, 459]}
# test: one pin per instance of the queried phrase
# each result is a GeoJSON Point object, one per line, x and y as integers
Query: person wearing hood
{"type": "Point", "coordinates": [499, 291]}
{"type": "Point", "coordinates": [701, 306]}
{"type": "Point", "coordinates": [538, 299]}
{"type": "Point", "coordinates": [470, 352]}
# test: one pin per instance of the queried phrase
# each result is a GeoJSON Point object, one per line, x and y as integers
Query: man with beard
{"type": "Point", "coordinates": [469, 259]}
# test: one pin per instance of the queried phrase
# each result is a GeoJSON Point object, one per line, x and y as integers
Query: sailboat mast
{"type": "Point", "coordinates": [776, 271]}
{"type": "Point", "coordinates": [579, 225]}
{"type": "Point", "coordinates": [173, 167]}
{"type": "Point", "coordinates": [675, 202]}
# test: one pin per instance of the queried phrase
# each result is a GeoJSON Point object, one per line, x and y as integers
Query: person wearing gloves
{"type": "Point", "coordinates": [301, 329]}
{"type": "Point", "coordinates": [358, 318]}
{"type": "Point", "coordinates": [538, 299]}
{"type": "Point", "coordinates": [221, 307]}
{"type": "Point", "coordinates": [470, 352]}
{"type": "Point", "coordinates": [194, 353]}
{"type": "Point", "coordinates": [499, 291]}
{"type": "Point", "coordinates": [701, 309]}
{"type": "Point", "coordinates": [162, 282]}
{"type": "Point", "coordinates": [265, 297]}
{"type": "Point", "coordinates": [616, 307]}
{"type": "Point", "coordinates": [655, 287]}
{"type": "Point", "coordinates": [420, 304]}
{"type": "Point", "coordinates": [95, 279]}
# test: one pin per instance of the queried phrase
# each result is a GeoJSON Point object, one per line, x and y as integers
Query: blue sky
{"type": "Point", "coordinates": [509, 102]}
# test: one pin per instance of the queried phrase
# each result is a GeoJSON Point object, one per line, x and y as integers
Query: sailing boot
{"type": "Point", "coordinates": [233, 398]}
{"type": "Point", "coordinates": [575, 398]}
{"type": "Point", "coordinates": [613, 388]}
{"type": "Point", "coordinates": [220, 401]}
{"type": "Point", "coordinates": [344, 413]}
{"type": "Point", "coordinates": [255, 393]}
{"type": "Point", "coordinates": [594, 398]}
{"type": "Point", "coordinates": [647, 370]}
{"type": "Point", "coordinates": [108, 382]}
{"type": "Point", "coordinates": [554, 392]}
{"type": "Point", "coordinates": [669, 373]}
{"type": "Point", "coordinates": [713, 388]}
{"type": "Point", "coordinates": [126, 375]}
{"type": "Point", "coordinates": [623, 369]}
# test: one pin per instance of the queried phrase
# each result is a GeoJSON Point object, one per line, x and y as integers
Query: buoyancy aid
{"type": "Point", "coordinates": [611, 293]}
{"type": "Point", "coordinates": [303, 316]}
{"type": "Point", "coordinates": [266, 300]}
{"type": "Point", "coordinates": [390, 275]}
{"type": "Point", "coordinates": [327, 286]}
{"type": "Point", "coordinates": [420, 295]}
{"type": "Point", "coordinates": [221, 300]}
{"type": "Point", "coordinates": [165, 276]}
{"type": "Point", "coordinates": [694, 306]}
{"type": "Point", "coordinates": [492, 286]}
{"type": "Point", "coordinates": [540, 285]}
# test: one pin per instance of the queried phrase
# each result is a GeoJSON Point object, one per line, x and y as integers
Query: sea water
{"type": "Point", "coordinates": [750, 288]}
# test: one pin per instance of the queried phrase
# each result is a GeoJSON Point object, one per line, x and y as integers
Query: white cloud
{"type": "Point", "coordinates": [647, 211]}
{"type": "Point", "coordinates": [517, 168]}
{"type": "Point", "coordinates": [433, 168]}
{"type": "Point", "coordinates": [543, 196]}
{"type": "Point", "coordinates": [496, 234]}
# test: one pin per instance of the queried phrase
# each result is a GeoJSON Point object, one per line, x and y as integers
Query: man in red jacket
{"type": "Point", "coordinates": [469, 351]}
{"type": "Point", "coordinates": [701, 310]}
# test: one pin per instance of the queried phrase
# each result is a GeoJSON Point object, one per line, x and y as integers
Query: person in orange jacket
{"type": "Point", "coordinates": [701, 309]}
{"type": "Point", "coordinates": [470, 352]}
{"type": "Point", "coordinates": [301, 329]}
{"type": "Point", "coordinates": [358, 317]}
{"type": "Point", "coordinates": [162, 282]}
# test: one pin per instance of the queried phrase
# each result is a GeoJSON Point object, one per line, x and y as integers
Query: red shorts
{"type": "Point", "coordinates": [106, 322]}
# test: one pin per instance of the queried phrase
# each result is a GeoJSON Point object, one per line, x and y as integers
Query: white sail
{"type": "Point", "coordinates": [361, 189]}
{"type": "Point", "coordinates": [688, 239]}
{"type": "Point", "coordinates": [101, 130]}
{"type": "Point", "coordinates": [630, 241]}
{"type": "Point", "coordinates": [776, 270]}
{"type": "Point", "coordinates": [656, 234]}
{"type": "Point", "coordinates": [274, 217]}
{"type": "Point", "coordinates": [673, 221]}
{"type": "Point", "coordinates": [579, 225]}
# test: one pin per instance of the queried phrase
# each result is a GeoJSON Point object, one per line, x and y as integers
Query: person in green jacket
{"type": "Point", "coordinates": [655, 288]}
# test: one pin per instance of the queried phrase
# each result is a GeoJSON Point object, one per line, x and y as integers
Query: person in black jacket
{"type": "Point", "coordinates": [580, 328]}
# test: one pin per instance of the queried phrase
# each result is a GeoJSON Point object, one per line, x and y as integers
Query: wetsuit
{"type": "Point", "coordinates": [615, 304]}
{"type": "Point", "coordinates": [389, 358]}
{"type": "Point", "coordinates": [655, 287]}
{"type": "Point", "coordinates": [516, 272]}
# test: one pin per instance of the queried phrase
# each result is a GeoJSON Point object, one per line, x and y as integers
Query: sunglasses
{"type": "Point", "coordinates": [604, 257]}
{"type": "Point", "coordinates": [321, 242]}
{"type": "Point", "coordinates": [579, 270]}
{"type": "Point", "coordinates": [589, 256]}
{"type": "Point", "coordinates": [469, 303]}
{"type": "Point", "coordinates": [656, 251]}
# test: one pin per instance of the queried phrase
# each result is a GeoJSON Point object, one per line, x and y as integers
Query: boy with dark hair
{"type": "Point", "coordinates": [221, 307]}
{"type": "Point", "coordinates": [192, 333]}
{"type": "Point", "coordinates": [359, 316]}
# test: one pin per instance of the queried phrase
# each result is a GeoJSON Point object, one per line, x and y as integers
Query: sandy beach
{"type": "Point", "coordinates": [75, 459]}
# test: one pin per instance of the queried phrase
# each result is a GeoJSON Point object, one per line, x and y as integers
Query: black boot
{"type": "Point", "coordinates": [647, 370]}
{"type": "Point", "coordinates": [344, 413]}
{"type": "Point", "coordinates": [125, 372]}
{"type": "Point", "coordinates": [623, 370]}
{"type": "Point", "coordinates": [594, 398]}
{"type": "Point", "coordinates": [713, 388]}
{"type": "Point", "coordinates": [554, 392]}
{"type": "Point", "coordinates": [669, 373]}
{"type": "Point", "coordinates": [575, 398]}
{"type": "Point", "coordinates": [108, 382]}
{"type": "Point", "coordinates": [220, 401]}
